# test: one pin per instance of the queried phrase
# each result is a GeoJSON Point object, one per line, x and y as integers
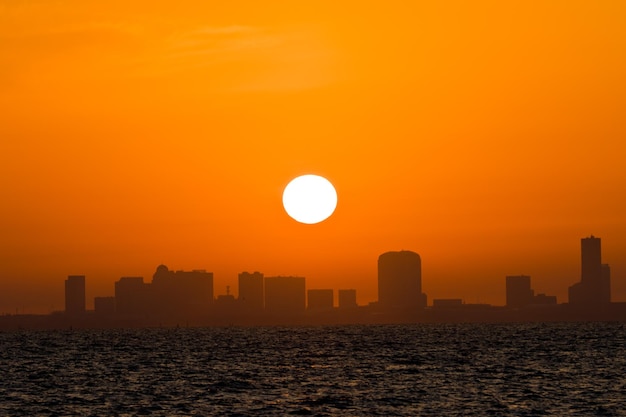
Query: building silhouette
{"type": "Point", "coordinates": [75, 294]}
{"type": "Point", "coordinates": [347, 298]}
{"type": "Point", "coordinates": [227, 298]}
{"type": "Point", "coordinates": [518, 291]}
{"type": "Point", "coordinates": [543, 299]}
{"type": "Point", "coordinates": [400, 281]}
{"type": "Point", "coordinates": [225, 305]}
{"type": "Point", "coordinates": [174, 296]}
{"type": "Point", "coordinates": [132, 296]}
{"type": "Point", "coordinates": [285, 295]}
{"type": "Point", "coordinates": [181, 292]}
{"type": "Point", "coordinates": [171, 293]}
{"type": "Point", "coordinates": [320, 299]}
{"type": "Point", "coordinates": [605, 284]}
{"type": "Point", "coordinates": [447, 303]}
{"type": "Point", "coordinates": [104, 305]}
{"type": "Point", "coordinates": [594, 287]}
{"type": "Point", "coordinates": [251, 295]}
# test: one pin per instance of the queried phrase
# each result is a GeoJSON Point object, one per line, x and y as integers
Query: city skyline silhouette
{"type": "Point", "coordinates": [399, 288]}
{"type": "Point", "coordinates": [451, 294]}
{"type": "Point", "coordinates": [145, 135]}
{"type": "Point", "coordinates": [175, 297]}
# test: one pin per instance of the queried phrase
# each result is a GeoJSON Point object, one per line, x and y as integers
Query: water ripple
{"type": "Point", "coordinates": [405, 370]}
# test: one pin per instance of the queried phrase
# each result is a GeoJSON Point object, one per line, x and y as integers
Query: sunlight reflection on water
{"type": "Point", "coordinates": [464, 369]}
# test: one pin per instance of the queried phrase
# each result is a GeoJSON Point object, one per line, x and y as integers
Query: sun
{"type": "Point", "coordinates": [309, 199]}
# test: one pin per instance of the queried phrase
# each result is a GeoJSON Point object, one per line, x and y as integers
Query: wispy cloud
{"type": "Point", "coordinates": [226, 57]}
{"type": "Point", "coordinates": [217, 40]}
{"type": "Point", "coordinates": [44, 56]}
{"type": "Point", "coordinates": [248, 58]}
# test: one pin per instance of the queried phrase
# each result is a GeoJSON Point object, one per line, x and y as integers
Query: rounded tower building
{"type": "Point", "coordinates": [400, 280]}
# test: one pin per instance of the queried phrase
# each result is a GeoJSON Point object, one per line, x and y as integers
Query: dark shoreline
{"type": "Point", "coordinates": [361, 315]}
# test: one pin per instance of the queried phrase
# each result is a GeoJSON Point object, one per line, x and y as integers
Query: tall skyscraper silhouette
{"type": "Point", "coordinates": [75, 294]}
{"type": "Point", "coordinates": [594, 287]}
{"type": "Point", "coordinates": [591, 260]}
{"type": "Point", "coordinates": [251, 295]}
{"type": "Point", "coordinates": [400, 280]}
{"type": "Point", "coordinates": [605, 284]}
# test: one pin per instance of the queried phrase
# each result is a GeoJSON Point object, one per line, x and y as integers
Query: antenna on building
{"type": "Point", "coordinates": [228, 290]}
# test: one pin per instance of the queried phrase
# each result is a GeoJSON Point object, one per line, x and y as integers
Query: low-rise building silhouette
{"type": "Point", "coordinates": [226, 305]}
{"type": "Point", "coordinates": [542, 299]}
{"type": "Point", "coordinates": [226, 298]}
{"type": "Point", "coordinates": [447, 303]}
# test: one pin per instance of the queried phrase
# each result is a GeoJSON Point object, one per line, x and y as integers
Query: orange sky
{"type": "Point", "coordinates": [489, 137]}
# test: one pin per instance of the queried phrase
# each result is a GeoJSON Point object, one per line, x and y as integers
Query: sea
{"type": "Point", "coordinates": [538, 369]}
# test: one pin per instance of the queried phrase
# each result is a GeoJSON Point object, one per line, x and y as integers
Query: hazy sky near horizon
{"type": "Point", "coordinates": [487, 136]}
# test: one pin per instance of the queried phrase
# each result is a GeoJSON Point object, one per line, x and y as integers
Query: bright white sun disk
{"type": "Point", "coordinates": [309, 199]}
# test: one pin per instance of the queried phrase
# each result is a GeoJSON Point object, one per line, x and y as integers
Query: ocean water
{"type": "Point", "coordinates": [555, 369]}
